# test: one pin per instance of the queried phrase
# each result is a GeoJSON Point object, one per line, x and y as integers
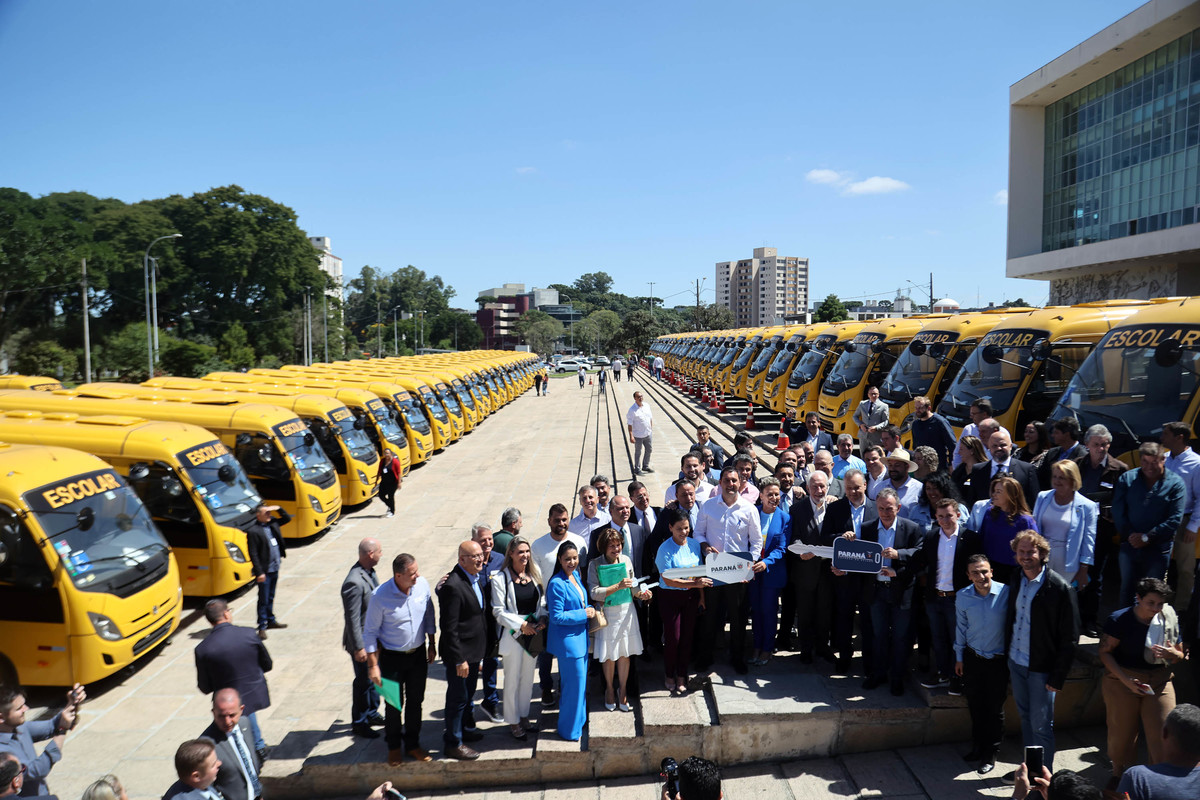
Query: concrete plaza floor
{"type": "Point", "coordinates": [531, 454]}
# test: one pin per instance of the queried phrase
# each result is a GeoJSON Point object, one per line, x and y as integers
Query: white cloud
{"type": "Point", "coordinates": [1000, 198]}
{"type": "Point", "coordinates": [825, 176]}
{"type": "Point", "coordinates": [875, 185]}
{"type": "Point", "coordinates": [526, 170]}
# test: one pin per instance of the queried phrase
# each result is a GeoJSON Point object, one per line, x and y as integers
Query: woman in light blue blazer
{"type": "Point", "coordinates": [1068, 521]}
{"type": "Point", "coordinates": [770, 571]}
{"type": "Point", "coordinates": [567, 639]}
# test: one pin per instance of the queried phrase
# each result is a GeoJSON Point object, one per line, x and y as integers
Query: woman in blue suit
{"type": "Point", "coordinates": [770, 571]}
{"type": "Point", "coordinates": [1068, 521]}
{"type": "Point", "coordinates": [567, 639]}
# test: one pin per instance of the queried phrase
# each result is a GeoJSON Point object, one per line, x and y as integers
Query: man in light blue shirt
{"type": "Point", "coordinates": [399, 623]}
{"type": "Point", "coordinates": [844, 460]}
{"type": "Point", "coordinates": [1185, 463]}
{"type": "Point", "coordinates": [981, 610]}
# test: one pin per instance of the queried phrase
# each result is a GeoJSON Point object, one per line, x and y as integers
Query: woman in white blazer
{"type": "Point", "coordinates": [516, 597]}
{"type": "Point", "coordinates": [1068, 521]}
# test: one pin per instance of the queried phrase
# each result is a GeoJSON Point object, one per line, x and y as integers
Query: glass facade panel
{"type": "Point", "coordinates": [1121, 153]}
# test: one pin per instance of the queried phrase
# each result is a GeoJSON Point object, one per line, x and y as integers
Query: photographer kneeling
{"type": "Point", "coordinates": [695, 779]}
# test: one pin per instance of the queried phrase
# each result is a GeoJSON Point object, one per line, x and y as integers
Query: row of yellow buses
{"type": "Point", "coordinates": [152, 500]}
{"type": "Point", "coordinates": [1128, 364]}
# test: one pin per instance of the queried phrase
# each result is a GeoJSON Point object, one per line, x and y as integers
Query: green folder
{"type": "Point", "coordinates": [610, 574]}
{"type": "Point", "coordinates": [390, 692]}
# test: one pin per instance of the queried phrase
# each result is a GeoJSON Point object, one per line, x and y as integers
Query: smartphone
{"type": "Point", "coordinates": [1034, 762]}
{"type": "Point", "coordinates": [392, 794]}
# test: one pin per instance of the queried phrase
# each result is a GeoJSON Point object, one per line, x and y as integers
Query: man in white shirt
{"type": "Point", "coordinates": [1184, 462]}
{"type": "Point", "coordinates": [876, 471]}
{"type": "Point", "coordinates": [908, 488]}
{"type": "Point", "coordinates": [603, 487]}
{"type": "Point", "coordinates": [587, 520]}
{"type": "Point", "coordinates": [727, 524]}
{"type": "Point", "coordinates": [693, 470]}
{"type": "Point", "coordinates": [658, 367]}
{"type": "Point", "coordinates": [640, 421]}
{"type": "Point", "coordinates": [544, 552]}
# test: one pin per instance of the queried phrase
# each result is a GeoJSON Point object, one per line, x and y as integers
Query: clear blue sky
{"type": "Point", "coordinates": [493, 142]}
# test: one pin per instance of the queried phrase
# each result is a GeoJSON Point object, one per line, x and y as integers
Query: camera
{"type": "Point", "coordinates": [669, 772]}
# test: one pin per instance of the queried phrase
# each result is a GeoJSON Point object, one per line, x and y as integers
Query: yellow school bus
{"type": "Point", "coordinates": [347, 447]}
{"type": "Point", "coordinates": [739, 373]}
{"type": "Point", "coordinates": [820, 354]}
{"type": "Point", "coordinates": [87, 583]}
{"type": "Point", "coordinates": [446, 427]}
{"type": "Point", "coordinates": [468, 380]}
{"type": "Point", "coordinates": [440, 390]}
{"type": "Point", "coordinates": [37, 382]}
{"type": "Point", "coordinates": [756, 377]}
{"type": "Point", "coordinates": [775, 380]}
{"type": "Point", "coordinates": [866, 360]}
{"type": "Point", "coordinates": [197, 494]}
{"type": "Point", "coordinates": [1024, 364]}
{"type": "Point", "coordinates": [277, 450]}
{"type": "Point", "coordinates": [1144, 372]}
{"type": "Point", "coordinates": [371, 416]}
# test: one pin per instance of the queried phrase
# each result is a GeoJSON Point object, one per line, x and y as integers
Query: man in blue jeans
{"type": "Point", "coordinates": [1147, 508]}
{"type": "Point", "coordinates": [1042, 630]}
{"type": "Point", "coordinates": [265, 541]}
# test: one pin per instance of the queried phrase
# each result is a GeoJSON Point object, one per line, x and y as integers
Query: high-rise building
{"type": "Point", "coordinates": [1104, 162]}
{"type": "Point", "coordinates": [331, 265]}
{"type": "Point", "coordinates": [764, 289]}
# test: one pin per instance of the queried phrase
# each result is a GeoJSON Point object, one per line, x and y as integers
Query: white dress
{"type": "Point", "coordinates": [621, 637]}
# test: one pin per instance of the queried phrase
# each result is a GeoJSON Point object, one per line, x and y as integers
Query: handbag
{"type": "Point", "coordinates": [597, 622]}
{"type": "Point", "coordinates": [532, 643]}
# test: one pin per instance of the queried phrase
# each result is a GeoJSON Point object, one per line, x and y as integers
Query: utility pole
{"type": "Point", "coordinates": [378, 330]}
{"type": "Point", "coordinates": [87, 335]}
{"type": "Point", "coordinates": [931, 293]}
{"type": "Point", "coordinates": [698, 304]}
{"type": "Point", "coordinates": [154, 302]}
{"type": "Point", "coordinates": [325, 315]}
{"type": "Point", "coordinates": [651, 300]}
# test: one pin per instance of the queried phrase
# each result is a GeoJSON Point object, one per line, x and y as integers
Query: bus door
{"type": "Point", "coordinates": [33, 619]}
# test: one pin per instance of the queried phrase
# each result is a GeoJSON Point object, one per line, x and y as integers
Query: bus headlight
{"type": "Point", "coordinates": [843, 408]}
{"type": "Point", "coordinates": [362, 476]}
{"type": "Point", "coordinates": [803, 398]}
{"type": "Point", "coordinates": [105, 628]}
{"type": "Point", "coordinates": [235, 552]}
{"type": "Point", "coordinates": [315, 503]}
{"type": "Point", "coordinates": [906, 425]}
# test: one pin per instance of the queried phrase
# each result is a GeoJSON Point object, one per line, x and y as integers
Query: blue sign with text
{"type": "Point", "coordinates": [855, 555]}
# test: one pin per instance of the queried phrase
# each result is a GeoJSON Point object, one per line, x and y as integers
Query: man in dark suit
{"type": "Point", "coordinates": [357, 588]}
{"type": "Point", "coordinates": [466, 635]}
{"type": "Point", "coordinates": [890, 592]}
{"type": "Point", "coordinates": [644, 513]}
{"type": "Point", "coordinates": [240, 767]}
{"type": "Point", "coordinates": [1065, 434]}
{"type": "Point", "coordinates": [845, 518]}
{"type": "Point", "coordinates": [1003, 463]}
{"type": "Point", "coordinates": [944, 553]}
{"type": "Point", "coordinates": [704, 439]}
{"type": "Point", "coordinates": [234, 657]}
{"type": "Point", "coordinates": [196, 764]}
{"type": "Point", "coordinates": [819, 439]}
{"type": "Point", "coordinates": [810, 578]}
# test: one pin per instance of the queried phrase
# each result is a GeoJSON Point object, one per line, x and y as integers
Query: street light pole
{"type": "Point", "coordinates": [151, 322]}
{"type": "Point", "coordinates": [395, 333]}
{"type": "Point", "coordinates": [651, 300]}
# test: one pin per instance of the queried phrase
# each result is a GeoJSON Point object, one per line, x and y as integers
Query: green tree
{"type": "Point", "coordinates": [711, 317]}
{"type": "Point", "coordinates": [1018, 303]}
{"type": "Point", "coordinates": [593, 283]}
{"type": "Point", "coordinates": [234, 347]}
{"type": "Point", "coordinates": [454, 330]}
{"type": "Point", "coordinates": [598, 331]}
{"type": "Point", "coordinates": [831, 310]}
{"type": "Point", "coordinates": [187, 359]}
{"type": "Point", "coordinates": [46, 358]}
{"type": "Point", "coordinates": [124, 353]}
{"type": "Point", "coordinates": [639, 330]}
{"type": "Point", "coordinates": [540, 331]}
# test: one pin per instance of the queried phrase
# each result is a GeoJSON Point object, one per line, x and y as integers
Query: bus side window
{"type": "Point", "coordinates": [165, 495]}
{"type": "Point", "coordinates": [20, 562]}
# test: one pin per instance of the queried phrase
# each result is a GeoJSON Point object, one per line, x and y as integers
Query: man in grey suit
{"type": "Point", "coordinates": [357, 588]}
{"type": "Point", "coordinates": [239, 766]}
{"type": "Point", "coordinates": [196, 764]}
{"type": "Point", "coordinates": [870, 416]}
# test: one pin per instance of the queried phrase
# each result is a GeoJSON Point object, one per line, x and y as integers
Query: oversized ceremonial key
{"type": "Point", "coordinates": [721, 568]}
{"type": "Point", "coordinates": [848, 555]}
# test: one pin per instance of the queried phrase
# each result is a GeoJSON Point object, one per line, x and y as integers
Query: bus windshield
{"type": "Point", "coordinates": [101, 532]}
{"type": "Point", "coordinates": [744, 356]}
{"type": "Point", "coordinates": [764, 358]}
{"type": "Point", "coordinates": [435, 408]}
{"type": "Point", "coordinates": [810, 363]}
{"type": "Point", "coordinates": [782, 360]}
{"type": "Point", "coordinates": [447, 399]}
{"type": "Point", "coordinates": [730, 354]}
{"type": "Point", "coordinates": [911, 376]}
{"type": "Point", "coordinates": [412, 413]}
{"type": "Point", "coordinates": [387, 426]}
{"type": "Point", "coordinates": [997, 382]}
{"type": "Point", "coordinates": [307, 456]}
{"type": "Point", "coordinates": [228, 493]}
{"type": "Point", "coordinates": [848, 370]}
{"type": "Point", "coordinates": [463, 394]}
{"type": "Point", "coordinates": [1124, 389]}
{"type": "Point", "coordinates": [357, 442]}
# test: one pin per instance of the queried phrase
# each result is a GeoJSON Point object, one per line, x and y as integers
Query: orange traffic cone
{"type": "Point", "coordinates": [721, 407]}
{"type": "Point", "coordinates": [712, 400]}
{"type": "Point", "coordinates": [783, 443]}
{"type": "Point", "coordinates": [750, 417]}
{"type": "Point", "coordinates": [589, 380]}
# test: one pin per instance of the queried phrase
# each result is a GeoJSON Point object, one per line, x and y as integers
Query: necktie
{"type": "Point", "coordinates": [240, 746]}
{"type": "Point", "coordinates": [626, 542]}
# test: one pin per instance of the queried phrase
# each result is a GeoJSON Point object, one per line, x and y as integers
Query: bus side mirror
{"type": "Point", "coordinates": [992, 354]}
{"type": "Point", "coordinates": [359, 423]}
{"type": "Point", "coordinates": [805, 347]}
{"type": "Point", "coordinates": [850, 347]}
{"type": "Point", "coordinates": [1040, 350]}
{"type": "Point", "coordinates": [138, 471]}
{"type": "Point", "coordinates": [85, 518]}
{"type": "Point", "coordinates": [916, 347]}
{"type": "Point", "coordinates": [877, 346]}
{"type": "Point", "coordinates": [243, 439]}
{"type": "Point", "coordinates": [226, 473]}
{"type": "Point", "coordinates": [1168, 353]}
{"type": "Point", "coordinates": [309, 439]}
{"type": "Point", "coordinates": [172, 486]}
{"type": "Point", "coordinates": [265, 455]}
{"type": "Point", "coordinates": [937, 350]}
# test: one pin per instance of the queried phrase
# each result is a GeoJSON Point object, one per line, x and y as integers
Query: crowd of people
{"type": "Point", "coordinates": [992, 558]}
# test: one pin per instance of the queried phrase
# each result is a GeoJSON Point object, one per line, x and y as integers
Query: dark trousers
{"type": "Point", "coordinates": [491, 697]}
{"type": "Point", "coordinates": [545, 664]}
{"type": "Point", "coordinates": [812, 585]}
{"type": "Point", "coordinates": [387, 493]}
{"type": "Point", "coordinates": [364, 697]}
{"type": "Point", "coordinates": [1089, 597]}
{"type": "Point", "coordinates": [678, 609]}
{"type": "Point", "coordinates": [725, 603]}
{"type": "Point", "coordinates": [942, 620]}
{"type": "Point", "coordinates": [266, 599]}
{"type": "Point", "coordinates": [848, 597]}
{"type": "Point", "coordinates": [891, 624]}
{"type": "Point", "coordinates": [985, 684]}
{"type": "Point", "coordinates": [459, 692]}
{"type": "Point", "coordinates": [410, 671]}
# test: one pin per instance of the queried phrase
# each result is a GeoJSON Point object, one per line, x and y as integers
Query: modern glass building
{"type": "Point", "coordinates": [1104, 172]}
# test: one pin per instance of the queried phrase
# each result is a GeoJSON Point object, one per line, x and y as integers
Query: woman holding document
{"type": "Point", "coordinates": [611, 584]}
{"type": "Point", "coordinates": [520, 610]}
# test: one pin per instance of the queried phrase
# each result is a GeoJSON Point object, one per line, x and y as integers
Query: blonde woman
{"type": "Point", "coordinates": [519, 607]}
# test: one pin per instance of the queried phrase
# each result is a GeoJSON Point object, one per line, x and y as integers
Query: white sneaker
{"type": "Point", "coordinates": [390, 514]}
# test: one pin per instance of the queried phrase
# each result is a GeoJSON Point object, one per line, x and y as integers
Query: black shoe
{"type": "Point", "coordinates": [491, 712]}
{"type": "Point", "coordinates": [826, 654]}
{"type": "Point", "coordinates": [472, 734]}
{"type": "Point", "coordinates": [549, 700]}
{"type": "Point", "coordinates": [276, 625]}
{"type": "Point", "coordinates": [262, 634]}
{"type": "Point", "coordinates": [956, 688]}
{"type": "Point", "coordinates": [806, 658]}
{"type": "Point", "coordinates": [647, 469]}
{"type": "Point", "coordinates": [364, 730]}
{"type": "Point", "coordinates": [871, 683]}
{"type": "Point", "coordinates": [263, 753]}
{"type": "Point", "coordinates": [375, 719]}
{"type": "Point", "coordinates": [740, 668]}
{"type": "Point", "coordinates": [987, 766]}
